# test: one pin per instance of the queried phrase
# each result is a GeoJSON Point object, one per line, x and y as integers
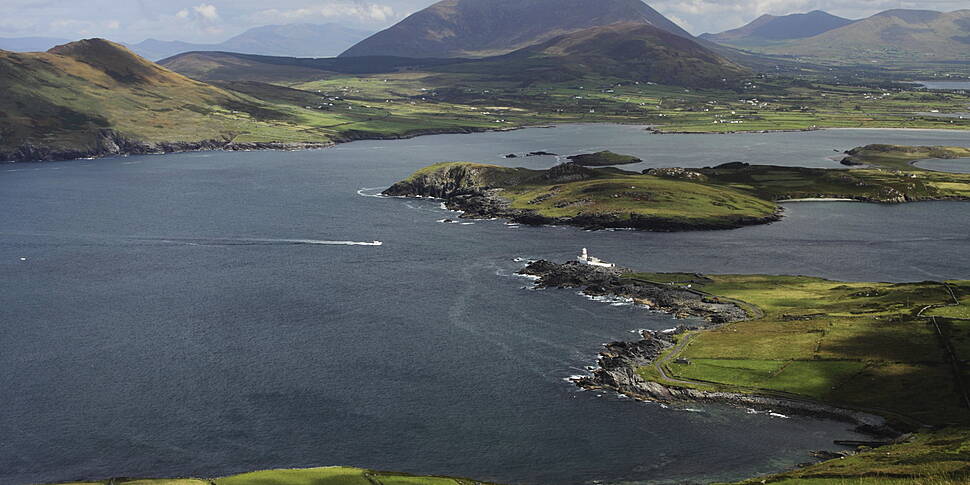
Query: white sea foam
{"type": "Point", "coordinates": [612, 300]}
{"type": "Point", "coordinates": [777, 415]}
{"type": "Point", "coordinates": [367, 192]}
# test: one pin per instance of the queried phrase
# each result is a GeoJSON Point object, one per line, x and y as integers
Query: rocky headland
{"type": "Point", "coordinates": [619, 364]}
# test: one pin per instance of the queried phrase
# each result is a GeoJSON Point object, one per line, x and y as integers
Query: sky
{"type": "Point", "coordinates": [217, 20]}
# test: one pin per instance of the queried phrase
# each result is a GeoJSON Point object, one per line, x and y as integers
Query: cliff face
{"type": "Point", "coordinates": [448, 180]}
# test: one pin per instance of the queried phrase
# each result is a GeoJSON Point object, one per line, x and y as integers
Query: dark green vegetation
{"type": "Point", "coordinates": [603, 159]}
{"type": "Point", "coordinates": [482, 28]}
{"type": "Point", "coordinates": [312, 476]}
{"type": "Point", "coordinates": [727, 196]}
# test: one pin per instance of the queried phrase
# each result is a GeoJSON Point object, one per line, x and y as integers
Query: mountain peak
{"type": "Point", "coordinates": [778, 28]}
{"type": "Point", "coordinates": [482, 28]}
{"type": "Point", "coordinates": [912, 16]}
{"type": "Point", "coordinates": [115, 60]}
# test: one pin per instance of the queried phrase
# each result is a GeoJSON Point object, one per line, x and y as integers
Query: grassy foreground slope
{"type": "Point", "coordinates": [868, 346]}
{"type": "Point", "coordinates": [310, 476]}
{"type": "Point", "coordinates": [64, 97]}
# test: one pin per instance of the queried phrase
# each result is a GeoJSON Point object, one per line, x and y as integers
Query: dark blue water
{"type": "Point", "coordinates": [160, 318]}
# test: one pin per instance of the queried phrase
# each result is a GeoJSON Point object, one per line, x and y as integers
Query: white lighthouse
{"type": "Point", "coordinates": [585, 258]}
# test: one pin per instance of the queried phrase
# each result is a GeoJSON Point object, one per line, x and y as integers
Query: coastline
{"type": "Point", "coordinates": [28, 152]}
{"type": "Point", "coordinates": [112, 144]}
{"type": "Point", "coordinates": [485, 204]}
{"type": "Point", "coordinates": [618, 365]}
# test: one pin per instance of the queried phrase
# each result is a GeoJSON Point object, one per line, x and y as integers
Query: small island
{"type": "Point", "coordinates": [727, 196]}
{"type": "Point", "coordinates": [604, 158]}
{"type": "Point", "coordinates": [889, 358]}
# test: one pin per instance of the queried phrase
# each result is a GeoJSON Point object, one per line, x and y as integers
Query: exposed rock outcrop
{"type": "Point", "coordinates": [600, 281]}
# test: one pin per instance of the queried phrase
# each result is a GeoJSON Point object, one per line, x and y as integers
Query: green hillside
{"type": "Point", "coordinates": [66, 98]}
{"type": "Point", "coordinates": [892, 38]}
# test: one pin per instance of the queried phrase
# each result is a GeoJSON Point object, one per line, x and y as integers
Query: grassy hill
{"type": "Point", "coordinates": [628, 51]}
{"type": "Point", "coordinates": [891, 38]}
{"type": "Point", "coordinates": [65, 97]}
{"type": "Point", "coordinates": [95, 97]}
{"type": "Point", "coordinates": [482, 28]}
{"type": "Point", "coordinates": [771, 28]}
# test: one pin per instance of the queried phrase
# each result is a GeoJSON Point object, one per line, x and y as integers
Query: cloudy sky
{"type": "Point", "coordinates": [217, 20]}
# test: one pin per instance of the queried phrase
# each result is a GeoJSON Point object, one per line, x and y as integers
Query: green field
{"type": "Point", "coordinates": [863, 346]}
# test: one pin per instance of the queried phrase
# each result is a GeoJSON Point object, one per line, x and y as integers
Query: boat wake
{"type": "Point", "coordinates": [260, 242]}
{"type": "Point", "coordinates": [372, 192]}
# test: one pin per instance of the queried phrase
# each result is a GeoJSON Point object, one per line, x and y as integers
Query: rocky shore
{"type": "Point", "coordinates": [111, 143]}
{"type": "Point", "coordinates": [619, 362]}
{"type": "Point", "coordinates": [466, 188]}
{"type": "Point", "coordinates": [617, 371]}
{"type": "Point", "coordinates": [601, 281]}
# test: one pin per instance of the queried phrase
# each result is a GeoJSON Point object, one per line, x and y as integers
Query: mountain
{"type": "Point", "coordinates": [93, 96]}
{"type": "Point", "coordinates": [625, 51]}
{"type": "Point", "coordinates": [30, 44]}
{"type": "Point", "coordinates": [482, 28]}
{"type": "Point", "coordinates": [768, 28]}
{"type": "Point", "coordinates": [890, 38]}
{"type": "Point", "coordinates": [229, 66]}
{"type": "Point", "coordinates": [293, 40]}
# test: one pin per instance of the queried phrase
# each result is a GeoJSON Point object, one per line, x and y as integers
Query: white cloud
{"type": "Point", "coordinates": [207, 11]}
{"type": "Point", "coordinates": [182, 14]}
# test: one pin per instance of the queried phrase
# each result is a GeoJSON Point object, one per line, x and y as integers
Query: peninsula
{"type": "Point", "coordinates": [889, 358]}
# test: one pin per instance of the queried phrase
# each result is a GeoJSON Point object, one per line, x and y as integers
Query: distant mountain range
{"type": "Point", "coordinates": [294, 40]}
{"type": "Point", "coordinates": [770, 28]}
{"type": "Point", "coordinates": [30, 44]}
{"type": "Point", "coordinates": [887, 38]}
{"type": "Point", "coordinates": [483, 28]}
